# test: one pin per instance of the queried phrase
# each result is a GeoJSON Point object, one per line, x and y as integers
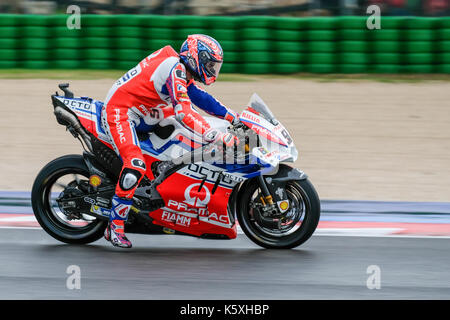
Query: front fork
{"type": "Point", "coordinates": [268, 209]}
{"type": "Point", "coordinates": [267, 198]}
{"type": "Point", "coordinates": [273, 188]}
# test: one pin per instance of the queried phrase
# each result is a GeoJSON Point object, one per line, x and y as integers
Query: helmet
{"type": "Point", "coordinates": [202, 56]}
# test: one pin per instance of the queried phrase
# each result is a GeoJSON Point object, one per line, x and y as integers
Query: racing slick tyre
{"type": "Point", "coordinates": [68, 173]}
{"type": "Point", "coordinates": [288, 230]}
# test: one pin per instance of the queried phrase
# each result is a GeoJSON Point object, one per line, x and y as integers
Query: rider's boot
{"type": "Point", "coordinates": [115, 231]}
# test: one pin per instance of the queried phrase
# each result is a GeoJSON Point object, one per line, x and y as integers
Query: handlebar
{"type": "Point", "coordinates": [199, 153]}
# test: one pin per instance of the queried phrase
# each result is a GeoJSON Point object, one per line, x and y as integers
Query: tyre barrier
{"type": "Point", "coordinates": [251, 44]}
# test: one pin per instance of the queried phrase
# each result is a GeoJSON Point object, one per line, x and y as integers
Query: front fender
{"type": "Point", "coordinates": [286, 173]}
{"type": "Point", "coordinates": [277, 182]}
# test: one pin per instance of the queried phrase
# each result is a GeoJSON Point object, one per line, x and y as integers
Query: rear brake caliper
{"type": "Point", "coordinates": [69, 207]}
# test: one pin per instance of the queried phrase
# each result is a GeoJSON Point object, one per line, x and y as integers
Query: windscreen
{"type": "Point", "coordinates": [258, 105]}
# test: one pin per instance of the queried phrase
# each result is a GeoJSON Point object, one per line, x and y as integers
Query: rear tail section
{"type": "Point", "coordinates": [82, 118]}
{"type": "Point", "coordinates": [85, 111]}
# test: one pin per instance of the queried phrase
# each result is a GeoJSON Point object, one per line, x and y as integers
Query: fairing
{"type": "Point", "coordinates": [196, 195]}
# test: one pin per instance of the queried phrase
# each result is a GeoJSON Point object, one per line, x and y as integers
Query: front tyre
{"type": "Point", "coordinates": [61, 176]}
{"type": "Point", "coordinates": [288, 231]}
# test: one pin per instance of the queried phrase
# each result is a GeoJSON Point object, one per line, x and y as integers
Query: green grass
{"type": "Point", "coordinates": [91, 74]}
{"type": "Point", "coordinates": [60, 74]}
{"type": "Point", "coordinates": [390, 78]}
{"type": "Point", "coordinates": [376, 77]}
{"type": "Point", "coordinates": [115, 74]}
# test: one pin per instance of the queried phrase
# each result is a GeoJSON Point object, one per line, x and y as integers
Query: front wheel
{"type": "Point", "coordinates": [284, 231]}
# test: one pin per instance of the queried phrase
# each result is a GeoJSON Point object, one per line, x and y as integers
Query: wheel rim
{"type": "Point", "coordinates": [56, 182]}
{"type": "Point", "coordinates": [295, 216]}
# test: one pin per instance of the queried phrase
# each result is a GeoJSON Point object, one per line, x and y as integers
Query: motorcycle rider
{"type": "Point", "coordinates": [143, 94]}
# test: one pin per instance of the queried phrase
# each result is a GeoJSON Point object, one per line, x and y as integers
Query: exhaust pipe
{"type": "Point", "coordinates": [73, 125]}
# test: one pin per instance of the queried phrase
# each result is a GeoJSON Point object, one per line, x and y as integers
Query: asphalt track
{"type": "Point", "coordinates": [34, 266]}
{"type": "Point", "coordinates": [407, 241]}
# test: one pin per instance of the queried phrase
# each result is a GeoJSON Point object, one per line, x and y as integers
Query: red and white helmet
{"type": "Point", "coordinates": [203, 57]}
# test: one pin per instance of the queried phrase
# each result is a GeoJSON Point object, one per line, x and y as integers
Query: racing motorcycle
{"type": "Point", "coordinates": [183, 192]}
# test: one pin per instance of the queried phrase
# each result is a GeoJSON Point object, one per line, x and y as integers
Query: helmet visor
{"type": "Point", "coordinates": [210, 65]}
{"type": "Point", "coordinates": [213, 68]}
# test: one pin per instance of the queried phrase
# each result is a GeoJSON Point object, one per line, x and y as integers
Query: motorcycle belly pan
{"type": "Point", "coordinates": [192, 208]}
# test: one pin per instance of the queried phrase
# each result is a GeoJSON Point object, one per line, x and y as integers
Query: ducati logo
{"type": "Point", "coordinates": [197, 198]}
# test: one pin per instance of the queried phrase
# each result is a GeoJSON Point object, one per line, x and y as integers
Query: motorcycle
{"type": "Point", "coordinates": [183, 193]}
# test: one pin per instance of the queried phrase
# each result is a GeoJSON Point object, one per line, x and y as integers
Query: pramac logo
{"type": "Point", "coordinates": [197, 198]}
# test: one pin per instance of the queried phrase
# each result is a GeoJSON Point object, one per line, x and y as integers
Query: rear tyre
{"type": "Point", "coordinates": [46, 211]}
{"type": "Point", "coordinates": [298, 225]}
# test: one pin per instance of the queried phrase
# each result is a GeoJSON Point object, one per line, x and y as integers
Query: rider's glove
{"type": "Point", "coordinates": [214, 136]}
{"type": "Point", "coordinates": [232, 117]}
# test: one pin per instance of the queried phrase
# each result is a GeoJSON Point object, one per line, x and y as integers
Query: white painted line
{"type": "Point", "coordinates": [356, 231]}
{"type": "Point", "coordinates": [25, 218]}
{"type": "Point", "coordinates": [324, 232]}
{"type": "Point", "coordinates": [17, 227]}
{"type": "Point", "coordinates": [383, 236]}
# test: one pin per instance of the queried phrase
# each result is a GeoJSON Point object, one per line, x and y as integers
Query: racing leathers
{"type": "Point", "coordinates": [139, 100]}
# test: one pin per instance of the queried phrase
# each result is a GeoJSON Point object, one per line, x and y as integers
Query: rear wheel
{"type": "Point", "coordinates": [284, 231]}
{"type": "Point", "coordinates": [67, 175]}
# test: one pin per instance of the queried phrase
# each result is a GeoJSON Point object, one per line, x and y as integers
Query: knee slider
{"type": "Point", "coordinates": [129, 179]}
